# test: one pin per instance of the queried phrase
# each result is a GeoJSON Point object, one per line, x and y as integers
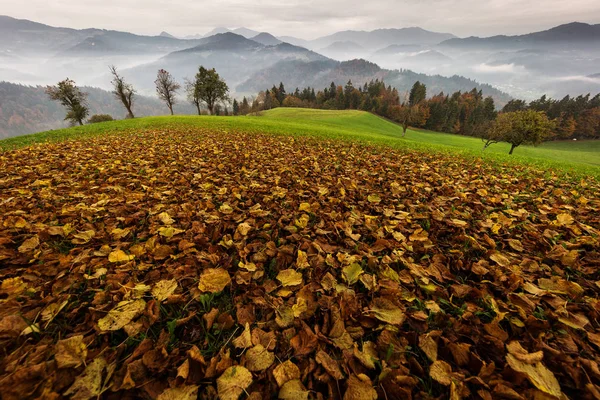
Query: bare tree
{"type": "Point", "coordinates": [192, 94]}
{"type": "Point", "coordinates": [72, 98]}
{"type": "Point", "coordinates": [166, 88]}
{"type": "Point", "coordinates": [122, 90]}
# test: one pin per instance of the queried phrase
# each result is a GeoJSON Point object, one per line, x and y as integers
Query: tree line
{"type": "Point", "coordinates": [464, 113]}
{"type": "Point", "coordinates": [207, 87]}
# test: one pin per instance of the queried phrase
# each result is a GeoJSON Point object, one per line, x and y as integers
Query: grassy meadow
{"type": "Point", "coordinates": [578, 157]}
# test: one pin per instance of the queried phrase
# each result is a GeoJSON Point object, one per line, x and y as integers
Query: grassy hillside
{"type": "Point", "coordinates": [581, 157]}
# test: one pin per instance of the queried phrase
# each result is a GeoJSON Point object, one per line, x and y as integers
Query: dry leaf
{"type": "Point", "coordinates": [233, 382]}
{"type": "Point", "coordinates": [214, 280]}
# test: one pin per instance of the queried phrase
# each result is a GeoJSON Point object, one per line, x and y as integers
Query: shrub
{"type": "Point", "coordinates": [100, 118]}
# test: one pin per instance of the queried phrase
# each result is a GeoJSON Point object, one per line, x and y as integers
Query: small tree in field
{"type": "Point", "coordinates": [210, 88]}
{"type": "Point", "coordinates": [122, 91]}
{"type": "Point", "coordinates": [192, 94]}
{"type": "Point", "coordinates": [520, 127]}
{"type": "Point", "coordinates": [166, 88]}
{"type": "Point", "coordinates": [69, 95]}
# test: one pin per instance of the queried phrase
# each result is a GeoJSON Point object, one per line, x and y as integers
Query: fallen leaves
{"type": "Point", "coordinates": [119, 256]}
{"type": "Point", "coordinates": [233, 382]}
{"type": "Point", "coordinates": [121, 315]}
{"type": "Point", "coordinates": [71, 352]}
{"type": "Point", "coordinates": [196, 266]}
{"type": "Point", "coordinates": [214, 280]}
{"type": "Point", "coordinates": [531, 366]}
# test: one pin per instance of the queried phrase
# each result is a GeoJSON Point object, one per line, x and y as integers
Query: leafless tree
{"type": "Point", "coordinates": [166, 88]}
{"type": "Point", "coordinates": [123, 91]}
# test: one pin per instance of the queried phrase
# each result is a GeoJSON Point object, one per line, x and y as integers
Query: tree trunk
{"type": "Point", "coordinates": [171, 108]}
{"type": "Point", "coordinates": [198, 107]}
{"type": "Point", "coordinates": [512, 148]}
{"type": "Point", "coordinates": [404, 128]}
{"type": "Point", "coordinates": [80, 122]}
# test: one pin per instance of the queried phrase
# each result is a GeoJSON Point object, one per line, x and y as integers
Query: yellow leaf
{"type": "Point", "coordinates": [299, 307]}
{"type": "Point", "coordinates": [302, 260]}
{"type": "Point", "coordinates": [460, 223]}
{"type": "Point", "coordinates": [500, 259]}
{"type": "Point", "coordinates": [302, 222]}
{"type": "Point", "coordinates": [374, 198]}
{"type": "Point", "coordinates": [163, 289]}
{"type": "Point", "coordinates": [440, 371]}
{"type": "Point", "coordinates": [71, 352]}
{"type": "Point", "coordinates": [13, 286]}
{"type": "Point", "coordinates": [119, 256]}
{"type": "Point", "coordinates": [286, 372]}
{"type": "Point", "coordinates": [233, 382]}
{"type": "Point", "coordinates": [289, 277]}
{"type": "Point", "coordinates": [83, 237]}
{"type": "Point", "coordinates": [304, 207]}
{"type": "Point", "coordinates": [561, 286]}
{"type": "Point", "coordinates": [564, 220]}
{"type": "Point", "coordinates": [360, 388]}
{"type": "Point", "coordinates": [258, 358]}
{"type": "Point", "coordinates": [214, 280]}
{"type": "Point", "coordinates": [245, 339]}
{"type": "Point", "coordinates": [119, 233]}
{"type": "Point", "coordinates": [29, 244]}
{"type": "Point", "coordinates": [169, 231]}
{"type": "Point", "coordinates": [387, 312]}
{"type": "Point", "coordinates": [244, 228]}
{"type": "Point", "coordinates": [121, 315]}
{"type": "Point", "coordinates": [89, 384]}
{"type": "Point", "coordinates": [540, 376]}
{"type": "Point", "coordinates": [352, 272]}
{"type": "Point", "coordinates": [293, 390]}
{"type": "Point", "coordinates": [165, 218]}
{"type": "Point", "coordinates": [186, 392]}
{"type": "Point", "coordinates": [225, 209]}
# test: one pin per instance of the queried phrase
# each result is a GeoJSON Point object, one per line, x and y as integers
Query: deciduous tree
{"type": "Point", "coordinates": [166, 88]}
{"type": "Point", "coordinates": [69, 95]}
{"type": "Point", "coordinates": [210, 88]}
{"type": "Point", "coordinates": [521, 127]}
{"type": "Point", "coordinates": [123, 91]}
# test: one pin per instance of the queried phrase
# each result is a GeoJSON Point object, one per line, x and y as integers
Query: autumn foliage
{"type": "Point", "coordinates": [187, 263]}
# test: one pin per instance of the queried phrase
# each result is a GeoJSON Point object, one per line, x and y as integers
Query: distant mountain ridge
{"type": "Point", "coordinates": [567, 34]}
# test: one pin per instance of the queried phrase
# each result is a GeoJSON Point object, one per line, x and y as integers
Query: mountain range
{"type": "Point", "coordinates": [521, 65]}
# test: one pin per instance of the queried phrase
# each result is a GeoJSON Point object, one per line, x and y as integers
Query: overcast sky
{"type": "Point", "coordinates": [307, 18]}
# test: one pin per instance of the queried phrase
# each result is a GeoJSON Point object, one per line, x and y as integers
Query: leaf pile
{"type": "Point", "coordinates": [204, 264]}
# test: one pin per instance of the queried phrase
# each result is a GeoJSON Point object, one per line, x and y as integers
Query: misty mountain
{"type": "Point", "coordinates": [167, 35]}
{"type": "Point", "coordinates": [267, 39]}
{"type": "Point", "coordinates": [320, 74]}
{"type": "Point", "coordinates": [399, 48]}
{"type": "Point", "coordinates": [27, 109]}
{"type": "Point", "coordinates": [381, 38]}
{"type": "Point", "coordinates": [245, 32]}
{"type": "Point", "coordinates": [568, 35]}
{"type": "Point", "coordinates": [343, 50]}
{"type": "Point", "coordinates": [234, 57]}
{"type": "Point", "coordinates": [36, 40]}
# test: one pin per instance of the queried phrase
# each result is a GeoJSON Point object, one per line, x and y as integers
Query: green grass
{"type": "Point", "coordinates": [579, 159]}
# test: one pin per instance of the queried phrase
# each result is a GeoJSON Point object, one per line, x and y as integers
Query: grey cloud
{"type": "Point", "coordinates": [308, 19]}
